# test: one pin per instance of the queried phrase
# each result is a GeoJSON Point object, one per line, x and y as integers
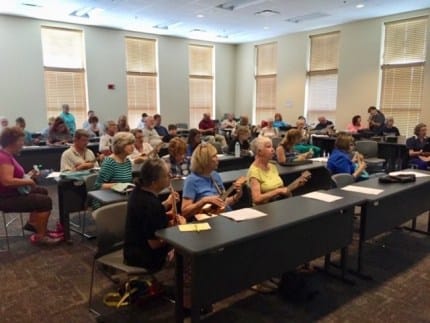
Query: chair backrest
{"type": "Point", "coordinates": [368, 148]}
{"type": "Point", "coordinates": [342, 179]}
{"type": "Point", "coordinates": [110, 223]}
{"type": "Point", "coordinates": [181, 125]}
{"type": "Point", "coordinates": [90, 180]}
{"type": "Point", "coordinates": [276, 141]}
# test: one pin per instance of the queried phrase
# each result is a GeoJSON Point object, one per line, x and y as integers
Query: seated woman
{"type": "Point", "coordinates": [123, 123]}
{"type": "Point", "coordinates": [116, 168]}
{"type": "Point", "coordinates": [340, 160]}
{"type": "Point", "coordinates": [278, 123]}
{"type": "Point", "coordinates": [141, 149]}
{"type": "Point", "coordinates": [285, 151]}
{"type": "Point", "coordinates": [263, 178]}
{"type": "Point", "coordinates": [146, 214]}
{"type": "Point", "coordinates": [418, 155]}
{"type": "Point", "coordinates": [176, 160]}
{"type": "Point", "coordinates": [204, 185]}
{"type": "Point", "coordinates": [269, 131]}
{"type": "Point", "coordinates": [94, 128]}
{"type": "Point", "coordinates": [242, 137]}
{"type": "Point", "coordinates": [355, 125]}
{"type": "Point", "coordinates": [18, 191]}
{"type": "Point", "coordinates": [59, 134]}
{"type": "Point", "coordinates": [194, 139]}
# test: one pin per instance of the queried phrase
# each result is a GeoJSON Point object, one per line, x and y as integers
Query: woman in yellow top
{"type": "Point", "coordinates": [263, 177]}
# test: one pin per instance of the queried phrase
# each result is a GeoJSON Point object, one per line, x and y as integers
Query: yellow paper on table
{"type": "Point", "coordinates": [194, 227]}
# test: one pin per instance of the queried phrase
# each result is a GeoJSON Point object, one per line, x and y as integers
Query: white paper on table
{"type": "Point", "coordinates": [417, 174]}
{"type": "Point", "coordinates": [320, 159]}
{"type": "Point", "coordinates": [243, 214]}
{"type": "Point", "coordinates": [54, 175]}
{"type": "Point", "coordinates": [361, 189]}
{"type": "Point", "coordinates": [322, 196]}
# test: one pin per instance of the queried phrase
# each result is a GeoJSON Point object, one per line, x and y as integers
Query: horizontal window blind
{"type": "Point", "coordinates": [64, 71]}
{"type": "Point", "coordinates": [142, 78]}
{"type": "Point", "coordinates": [265, 81]}
{"type": "Point", "coordinates": [322, 76]}
{"type": "Point", "coordinates": [403, 72]}
{"type": "Point", "coordinates": [201, 82]}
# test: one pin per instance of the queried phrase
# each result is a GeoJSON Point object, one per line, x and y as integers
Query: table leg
{"type": "Point", "coordinates": [179, 273]}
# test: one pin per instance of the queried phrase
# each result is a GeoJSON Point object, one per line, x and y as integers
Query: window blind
{"type": "Point", "coordinates": [265, 81]}
{"type": "Point", "coordinates": [201, 82]}
{"type": "Point", "coordinates": [322, 76]}
{"type": "Point", "coordinates": [64, 71]}
{"type": "Point", "coordinates": [142, 78]}
{"type": "Point", "coordinates": [403, 72]}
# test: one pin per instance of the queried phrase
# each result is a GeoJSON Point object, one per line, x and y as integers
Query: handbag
{"type": "Point", "coordinates": [400, 178]}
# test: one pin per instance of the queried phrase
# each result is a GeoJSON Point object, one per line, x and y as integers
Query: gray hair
{"type": "Point", "coordinates": [258, 143]}
{"type": "Point", "coordinates": [120, 140]}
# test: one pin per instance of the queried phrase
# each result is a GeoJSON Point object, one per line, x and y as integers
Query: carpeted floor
{"type": "Point", "coordinates": [51, 284]}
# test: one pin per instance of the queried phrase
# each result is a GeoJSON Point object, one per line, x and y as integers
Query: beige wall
{"type": "Point", "coordinates": [22, 85]}
{"type": "Point", "coordinates": [359, 71]}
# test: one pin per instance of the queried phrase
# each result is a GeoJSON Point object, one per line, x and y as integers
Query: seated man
{"type": "Point", "coordinates": [389, 129]}
{"type": "Point", "coordinates": [78, 156]}
{"type": "Point", "coordinates": [162, 131]}
{"type": "Point", "coordinates": [324, 126]}
{"type": "Point", "coordinates": [151, 135]}
{"type": "Point", "coordinates": [418, 147]}
{"type": "Point", "coordinates": [208, 130]}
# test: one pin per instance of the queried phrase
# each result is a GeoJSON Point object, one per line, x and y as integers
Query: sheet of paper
{"type": "Point", "coordinates": [54, 175]}
{"type": "Point", "coordinates": [323, 196]}
{"type": "Point", "coordinates": [243, 214]}
{"type": "Point", "coordinates": [361, 189]}
{"type": "Point", "coordinates": [194, 227]}
{"type": "Point", "coordinates": [320, 159]}
{"type": "Point", "coordinates": [417, 174]}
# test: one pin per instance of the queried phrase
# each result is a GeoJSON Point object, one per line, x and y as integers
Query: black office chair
{"type": "Point", "coordinates": [110, 222]}
{"type": "Point", "coordinates": [342, 179]}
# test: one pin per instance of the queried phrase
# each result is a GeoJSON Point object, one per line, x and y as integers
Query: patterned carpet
{"type": "Point", "coordinates": [51, 284]}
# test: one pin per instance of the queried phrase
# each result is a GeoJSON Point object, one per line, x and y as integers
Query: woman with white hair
{"type": "Point", "coordinates": [263, 177]}
{"type": "Point", "coordinates": [117, 168]}
{"type": "Point", "coordinates": [4, 122]}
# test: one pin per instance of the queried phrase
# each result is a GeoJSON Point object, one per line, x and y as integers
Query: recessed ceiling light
{"type": "Point", "coordinates": [267, 13]}
{"type": "Point", "coordinates": [359, 6]}
{"type": "Point", "coordinates": [266, 27]}
{"type": "Point", "coordinates": [200, 16]}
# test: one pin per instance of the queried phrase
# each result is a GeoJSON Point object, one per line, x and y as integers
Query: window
{"type": "Point", "coordinates": [64, 69]}
{"type": "Point", "coordinates": [322, 77]}
{"type": "Point", "coordinates": [142, 78]}
{"type": "Point", "coordinates": [403, 72]}
{"type": "Point", "coordinates": [265, 81]}
{"type": "Point", "coordinates": [201, 82]}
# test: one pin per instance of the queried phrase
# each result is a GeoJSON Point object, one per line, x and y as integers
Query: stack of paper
{"type": "Point", "coordinates": [417, 174]}
{"type": "Point", "coordinates": [323, 196]}
{"type": "Point", "coordinates": [362, 189]}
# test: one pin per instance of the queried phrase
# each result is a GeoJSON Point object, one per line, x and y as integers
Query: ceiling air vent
{"type": "Point", "coordinates": [239, 4]}
{"type": "Point", "coordinates": [311, 16]}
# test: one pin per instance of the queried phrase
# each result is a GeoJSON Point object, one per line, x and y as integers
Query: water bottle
{"type": "Point", "coordinates": [237, 149]}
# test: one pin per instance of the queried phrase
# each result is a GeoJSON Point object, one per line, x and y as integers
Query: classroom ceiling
{"type": "Point", "coordinates": [226, 21]}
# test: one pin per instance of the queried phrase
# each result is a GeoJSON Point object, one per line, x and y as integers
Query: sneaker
{"type": "Point", "coordinates": [46, 240]}
{"type": "Point", "coordinates": [29, 227]}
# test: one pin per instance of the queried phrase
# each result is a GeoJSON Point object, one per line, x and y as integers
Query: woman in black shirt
{"type": "Point", "coordinates": [146, 214]}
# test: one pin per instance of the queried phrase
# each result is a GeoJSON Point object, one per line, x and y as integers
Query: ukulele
{"type": "Point", "coordinates": [299, 181]}
{"type": "Point", "coordinates": [174, 216]}
{"type": "Point", "coordinates": [209, 208]}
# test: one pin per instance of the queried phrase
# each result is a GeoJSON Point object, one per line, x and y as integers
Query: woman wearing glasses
{"type": "Point", "coordinates": [204, 186]}
{"type": "Point", "coordinates": [340, 160]}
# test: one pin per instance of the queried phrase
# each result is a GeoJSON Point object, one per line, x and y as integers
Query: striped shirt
{"type": "Point", "coordinates": [113, 172]}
